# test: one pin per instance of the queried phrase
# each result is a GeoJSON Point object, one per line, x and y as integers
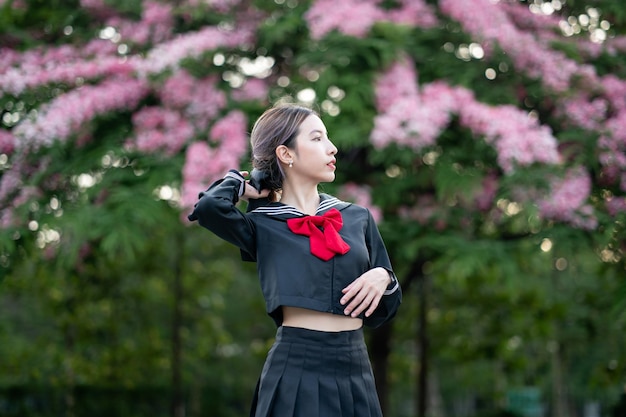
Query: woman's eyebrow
{"type": "Point", "coordinates": [321, 132]}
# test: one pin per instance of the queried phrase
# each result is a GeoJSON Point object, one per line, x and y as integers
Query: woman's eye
{"type": "Point", "coordinates": [318, 138]}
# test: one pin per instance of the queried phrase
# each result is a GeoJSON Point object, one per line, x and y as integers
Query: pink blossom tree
{"type": "Point", "coordinates": [488, 138]}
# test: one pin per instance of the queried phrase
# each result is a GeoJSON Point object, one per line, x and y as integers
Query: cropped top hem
{"type": "Point", "coordinates": [276, 312]}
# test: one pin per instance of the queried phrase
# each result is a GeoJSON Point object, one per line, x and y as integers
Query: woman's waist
{"type": "Point", "coordinates": [319, 320]}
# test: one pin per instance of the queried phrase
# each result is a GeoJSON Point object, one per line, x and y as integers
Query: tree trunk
{"type": "Point", "coordinates": [422, 341]}
{"type": "Point", "coordinates": [70, 376]}
{"type": "Point", "coordinates": [436, 406]}
{"type": "Point", "coordinates": [559, 400]}
{"type": "Point", "coordinates": [559, 396]}
{"type": "Point", "coordinates": [380, 344]}
{"type": "Point", "coordinates": [177, 400]}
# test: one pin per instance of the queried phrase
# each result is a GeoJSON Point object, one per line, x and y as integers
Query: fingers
{"type": "Point", "coordinates": [373, 305]}
{"type": "Point", "coordinates": [252, 193]}
{"type": "Point", "coordinates": [362, 295]}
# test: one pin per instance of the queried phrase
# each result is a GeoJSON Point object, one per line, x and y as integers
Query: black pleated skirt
{"type": "Point", "coordinates": [310, 373]}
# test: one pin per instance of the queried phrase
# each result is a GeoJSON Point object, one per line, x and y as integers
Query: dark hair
{"type": "Point", "coordinates": [277, 126]}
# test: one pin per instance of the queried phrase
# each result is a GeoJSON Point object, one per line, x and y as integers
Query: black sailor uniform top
{"type": "Point", "coordinates": [289, 274]}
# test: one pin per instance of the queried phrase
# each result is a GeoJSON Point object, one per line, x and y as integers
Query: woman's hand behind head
{"type": "Point", "coordinates": [250, 192]}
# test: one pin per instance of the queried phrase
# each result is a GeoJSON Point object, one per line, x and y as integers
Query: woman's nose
{"type": "Point", "coordinates": [332, 148]}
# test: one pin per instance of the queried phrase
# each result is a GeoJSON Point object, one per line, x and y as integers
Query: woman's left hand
{"type": "Point", "coordinates": [249, 192]}
{"type": "Point", "coordinates": [365, 292]}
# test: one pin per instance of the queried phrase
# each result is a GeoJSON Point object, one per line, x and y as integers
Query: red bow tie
{"type": "Point", "coordinates": [324, 244]}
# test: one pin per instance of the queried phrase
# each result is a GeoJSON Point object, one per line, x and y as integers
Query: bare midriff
{"type": "Point", "coordinates": [318, 320]}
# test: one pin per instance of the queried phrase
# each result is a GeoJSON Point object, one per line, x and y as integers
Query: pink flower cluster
{"type": "Point", "coordinates": [23, 196]}
{"type": "Point", "coordinates": [405, 116]}
{"type": "Point", "coordinates": [161, 129]}
{"type": "Point", "coordinates": [15, 4]}
{"type": "Point", "coordinates": [221, 6]}
{"type": "Point", "coordinates": [606, 114]}
{"type": "Point", "coordinates": [10, 182]}
{"type": "Point", "coordinates": [490, 21]}
{"type": "Point", "coordinates": [487, 193]}
{"type": "Point", "coordinates": [62, 64]}
{"type": "Point", "coordinates": [616, 45]}
{"type": "Point", "coordinates": [193, 104]}
{"type": "Point", "coordinates": [567, 200]}
{"type": "Point", "coordinates": [7, 218]}
{"type": "Point", "coordinates": [612, 147]}
{"type": "Point", "coordinates": [361, 195]}
{"type": "Point", "coordinates": [415, 119]}
{"type": "Point", "coordinates": [350, 17]}
{"type": "Point", "coordinates": [231, 133]}
{"type": "Point", "coordinates": [177, 91]}
{"type": "Point", "coordinates": [98, 8]}
{"type": "Point", "coordinates": [254, 89]}
{"type": "Point", "coordinates": [615, 205]}
{"type": "Point", "coordinates": [8, 58]}
{"type": "Point", "coordinates": [155, 26]}
{"type": "Point", "coordinates": [523, 18]}
{"type": "Point", "coordinates": [356, 17]}
{"type": "Point", "coordinates": [547, 29]}
{"type": "Point", "coordinates": [158, 16]}
{"type": "Point", "coordinates": [7, 142]}
{"type": "Point", "coordinates": [426, 211]}
{"type": "Point", "coordinates": [13, 191]}
{"type": "Point", "coordinates": [17, 79]}
{"type": "Point", "coordinates": [199, 99]}
{"type": "Point", "coordinates": [584, 112]}
{"type": "Point", "coordinates": [517, 138]}
{"type": "Point", "coordinates": [206, 161]}
{"type": "Point", "coordinates": [66, 64]}
{"type": "Point", "coordinates": [65, 115]}
{"type": "Point", "coordinates": [188, 106]}
{"type": "Point", "coordinates": [167, 55]}
{"type": "Point", "coordinates": [198, 172]}
{"type": "Point", "coordinates": [614, 89]}
{"type": "Point", "coordinates": [92, 4]}
{"type": "Point", "coordinates": [412, 13]}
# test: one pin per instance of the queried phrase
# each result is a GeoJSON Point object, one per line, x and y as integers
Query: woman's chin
{"type": "Point", "coordinates": [329, 178]}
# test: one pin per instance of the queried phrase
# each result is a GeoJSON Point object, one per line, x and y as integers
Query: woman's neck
{"type": "Point", "coordinates": [307, 200]}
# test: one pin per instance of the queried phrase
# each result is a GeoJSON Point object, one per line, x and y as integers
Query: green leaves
{"type": "Point", "coordinates": [102, 259]}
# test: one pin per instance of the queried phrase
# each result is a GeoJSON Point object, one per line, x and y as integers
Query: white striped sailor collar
{"type": "Point", "coordinates": [285, 211]}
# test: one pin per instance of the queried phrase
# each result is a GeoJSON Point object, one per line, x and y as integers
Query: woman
{"type": "Point", "coordinates": [323, 268]}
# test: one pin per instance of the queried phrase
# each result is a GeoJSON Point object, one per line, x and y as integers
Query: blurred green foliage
{"type": "Point", "coordinates": [97, 324]}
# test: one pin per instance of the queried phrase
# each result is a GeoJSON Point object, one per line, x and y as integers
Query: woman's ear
{"type": "Point", "coordinates": [283, 154]}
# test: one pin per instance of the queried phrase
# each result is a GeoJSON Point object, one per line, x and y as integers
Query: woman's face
{"type": "Point", "coordinates": [314, 156]}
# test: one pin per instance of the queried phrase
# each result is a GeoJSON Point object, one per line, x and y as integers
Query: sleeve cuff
{"type": "Point", "coordinates": [236, 175]}
{"type": "Point", "coordinates": [393, 286]}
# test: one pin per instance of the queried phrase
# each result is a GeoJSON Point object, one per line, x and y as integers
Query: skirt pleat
{"type": "Point", "coordinates": [346, 398]}
{"type": "Point", "coordinates": [309, 373]}
{"type": "Point", "coordinates": [269, 382]}
{"type": "Point", "coordinates": [359, 390]}
{"type": "Point", "coordinates": [309, 390]}
{"type": "Point", "coordinates": [327, 387]}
